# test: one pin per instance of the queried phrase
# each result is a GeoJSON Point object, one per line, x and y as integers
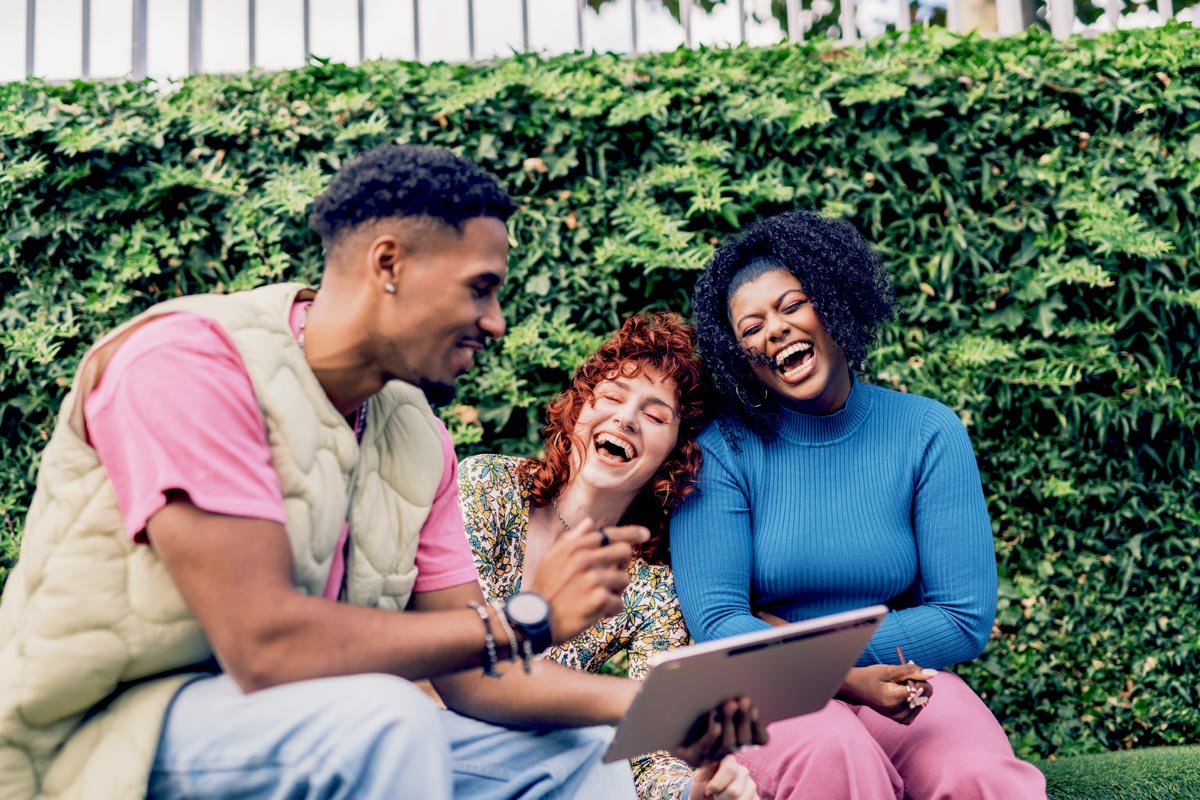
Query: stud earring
{"type": "Point", "coordinates": [390, 288]}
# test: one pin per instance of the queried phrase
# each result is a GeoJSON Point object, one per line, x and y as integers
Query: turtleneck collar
{"type": "Point", "coordinates": [824, 429]}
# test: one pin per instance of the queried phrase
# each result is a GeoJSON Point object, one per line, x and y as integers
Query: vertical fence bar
{"type": "Point", "coordinates": [685, 19]}
{"type": "Point", "coordinates": [1062, 17]}
{"type": "Point", "coordinates": [579, 9]}
{"type": "Point", "coordinates": [1166, 10]}
{"type": "Point", "coordinates": [904, 14]}
{"type": "Point", "coordinates": [525, 25]}
{"type": "Point", "coordinates": [471, 29]}
{"type": "Point", "coordinates": [252, 23]}
{"type": "Point", "coordinates": [742, 21]}
{"type": "Point", "coordinates": [954, 16]}
{"type": "Point", "coordinates": [1112, 11]}
{"type": "Point", "coordinates": [195, 36]}
{"type": "Point", "coordinates": [306, 13]}
{"type": "Point", "coordinates": [362, 31]}
{"type": "Point", "coordinates": [1009, 18]}
{"type": "Point", "coordinates": [795, 29]}
{"type": "Point", "coordinates": [138, 55]}
{"type": "Point", "coordinates": [85, 54]}
{"type": "Point", "coordinates": [416, 30]}
{"type": "Point", "coordinates": [846, 20]}
{"type": "Point", "coordinates": [30, 36]}
{"type": "Point", "coordinates": [633, 24]}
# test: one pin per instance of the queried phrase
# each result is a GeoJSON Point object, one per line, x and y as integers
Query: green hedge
{"type": "Point", "coordinates": [1035, 199]}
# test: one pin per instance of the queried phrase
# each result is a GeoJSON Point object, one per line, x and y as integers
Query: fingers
{"type": "Point", "coordinates": [899, 673]}
{"type": "Point", "coordinates": [759, 734]}
{"type": "Point", "coordinates": [744, 722]}
{"type": "Point", "coordinates": [912, 672]}
{"type": "Point", "coordinates": [730, 781]}
{"type": "Point", "coordinates": [587, 534]}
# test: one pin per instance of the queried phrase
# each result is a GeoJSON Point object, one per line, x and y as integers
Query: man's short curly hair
{"type": "Point", "coordinates": [661, 341]}
{"type": "Point", "coordinates": [845, 280]}
{"type": "Point", "coordinates": [407, 181]}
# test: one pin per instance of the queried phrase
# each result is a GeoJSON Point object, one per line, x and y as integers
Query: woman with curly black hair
{"type": "Point", "coordinates": [819, 493]}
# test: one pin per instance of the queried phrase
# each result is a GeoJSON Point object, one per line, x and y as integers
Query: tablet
{"type": "Point", "coordinates": [787, 671]}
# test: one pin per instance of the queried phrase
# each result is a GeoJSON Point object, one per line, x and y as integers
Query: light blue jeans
{"type": "Point", "coordinates": [365, 736]}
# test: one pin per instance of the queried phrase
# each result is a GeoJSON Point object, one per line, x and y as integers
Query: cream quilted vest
{"type": "Point", "coordinates": [94, 637]}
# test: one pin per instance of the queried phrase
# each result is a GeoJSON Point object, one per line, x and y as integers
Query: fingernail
{"type": "Point", "coordinates": [928, 673]}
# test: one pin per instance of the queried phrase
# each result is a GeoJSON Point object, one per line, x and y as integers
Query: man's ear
{"type": "Point", "coordinates": [387, 258]}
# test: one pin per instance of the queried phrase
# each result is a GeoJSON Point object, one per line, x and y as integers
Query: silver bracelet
{"type": "Point", "coordinates": [489, 641]}
{"type": "Point", "coordinates": [524, 650]}
{"type": "Point", "coordinates": [513, 650]}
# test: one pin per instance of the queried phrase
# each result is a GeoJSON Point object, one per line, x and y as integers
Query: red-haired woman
{"type": "Point", "coordinates": [619, 448]}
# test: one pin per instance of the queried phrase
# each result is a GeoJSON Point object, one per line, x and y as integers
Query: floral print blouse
{"type": "Point", "coordinates": [495, 508]}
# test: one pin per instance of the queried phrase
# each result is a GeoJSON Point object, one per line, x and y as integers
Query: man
{"type": "Point", "coordinates": [227, 468]}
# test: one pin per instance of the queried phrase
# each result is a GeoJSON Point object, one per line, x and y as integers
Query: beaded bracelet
{"type": "Point", "coordinates": [489, 641]}
{"type": "Point", "coordinates": [513, 650]}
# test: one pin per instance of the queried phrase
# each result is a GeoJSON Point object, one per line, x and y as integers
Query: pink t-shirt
{"type": "Point", "coordinates": [175, 410]}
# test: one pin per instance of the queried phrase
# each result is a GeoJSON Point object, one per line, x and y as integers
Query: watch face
{"type": "Point", "coordinates": [526, 608]}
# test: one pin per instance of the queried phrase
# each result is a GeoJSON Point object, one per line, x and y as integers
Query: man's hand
{"type": "Point", "coordinates": [731, 726]}
{"type": "Point", "coordinates": [885, 688]}
{"type": "Point", "coordinates": [723, 780]}
{"type": "Point", "coordinates": [582, 580]}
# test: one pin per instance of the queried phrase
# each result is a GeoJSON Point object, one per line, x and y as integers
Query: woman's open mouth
{"type": "Point", "coordinates": [613, 449]}
{"type": "Point", "coordinates": [796, 362]}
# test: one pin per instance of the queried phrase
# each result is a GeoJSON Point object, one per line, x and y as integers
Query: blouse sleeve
{"type": "Point", "coordinates": [661, 776]}
{"type": "Point", "coordinates": [492, 506]}
{"type": "Point", "coordinates": [658, 626]}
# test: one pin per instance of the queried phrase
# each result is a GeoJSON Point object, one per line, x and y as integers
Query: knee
{"type": "Point", "coordinates": [590, 743]}
{"type": "Point", "coordinates": [836, 744]}
{"type": "Point", "coordinates": [380, 707]}
{"type": "Point", "coordinates": [983, 774]}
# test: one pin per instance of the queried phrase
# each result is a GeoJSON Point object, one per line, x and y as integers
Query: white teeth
{"type": "Point", "coordinates": [798, 347]}
{"type": "Point", "coordinates": [610, 439]}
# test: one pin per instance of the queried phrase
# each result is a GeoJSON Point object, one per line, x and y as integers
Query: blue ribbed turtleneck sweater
{"type": "Point", "coordinates": [879, 502]}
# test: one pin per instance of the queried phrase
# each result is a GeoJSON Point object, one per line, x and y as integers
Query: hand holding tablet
{"type": "Point", "coordinates": [786, 671]}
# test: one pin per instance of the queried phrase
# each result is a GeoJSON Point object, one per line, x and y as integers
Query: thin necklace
{"type": "Point", "coordinates": [557, 513]}
{"type": "Point", "coordinates": [360, 420]}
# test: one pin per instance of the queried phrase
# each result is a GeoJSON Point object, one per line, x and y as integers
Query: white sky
{"type": "Point", "coordinates": [389, 32]}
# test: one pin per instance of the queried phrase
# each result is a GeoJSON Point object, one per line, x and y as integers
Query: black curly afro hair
{"type": "Point", "coordinates": [407, 181]}
{"type": "Point", "coordinates": [845, 280]}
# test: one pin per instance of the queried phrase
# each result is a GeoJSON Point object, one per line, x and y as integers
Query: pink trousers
{"type": "Point", "coordinates": [954, 750]}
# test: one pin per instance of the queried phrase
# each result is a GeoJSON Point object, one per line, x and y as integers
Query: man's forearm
{"type": "Point", "coordinates": [314, 638]}
{"type": "Point", "coordinates": [552, 696]}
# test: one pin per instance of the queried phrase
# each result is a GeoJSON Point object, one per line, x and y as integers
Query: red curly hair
{"type": "Point", "coordinates": [658, 340]}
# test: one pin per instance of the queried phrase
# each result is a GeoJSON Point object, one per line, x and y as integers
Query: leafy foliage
{"type": "Point", "coordinates": [1036, 201]}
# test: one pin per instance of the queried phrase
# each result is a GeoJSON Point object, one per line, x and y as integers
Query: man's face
{"type": "Point", "coordinates": [446, 306]}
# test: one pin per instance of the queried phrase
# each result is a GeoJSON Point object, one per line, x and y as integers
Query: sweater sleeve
{"type": "Point", "coordinates": [957, 558]}
{"type": "Point", "coordinates": [712, 551]}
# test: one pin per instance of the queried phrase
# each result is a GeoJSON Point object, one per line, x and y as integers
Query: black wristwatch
{"type": "Point", "coordinates": [529, 614]}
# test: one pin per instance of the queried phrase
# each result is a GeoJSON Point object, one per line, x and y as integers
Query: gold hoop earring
{"type": "Point", "coordinates": [738, 391]}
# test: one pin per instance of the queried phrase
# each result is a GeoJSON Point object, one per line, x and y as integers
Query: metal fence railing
{"type": "Point", "coordinates": [170, 38]}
